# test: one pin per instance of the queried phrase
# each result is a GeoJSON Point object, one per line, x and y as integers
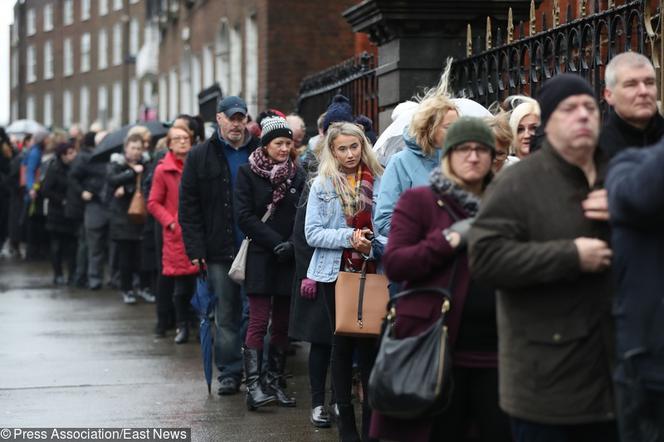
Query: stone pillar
{"type": "Point", "coordinates": [415, 38]}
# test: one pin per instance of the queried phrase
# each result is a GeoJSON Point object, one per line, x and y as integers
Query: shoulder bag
{"type": "Point", "coordinates": [359, 303]}
{"type": "Point", "coordinates": [239, 265]}
{"type": "Point", "coordinates": [137, 211]}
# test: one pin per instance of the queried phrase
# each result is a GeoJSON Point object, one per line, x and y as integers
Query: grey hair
{"type": "Point", "coordinates": [629, 59]}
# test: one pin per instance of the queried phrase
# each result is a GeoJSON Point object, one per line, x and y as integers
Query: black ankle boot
{"type": "Point", "coordinates": [182, 334]}
{"type": "Point", "coordinates": [346, 424]}
{"type": "Point", "coordinates": [256, 397]}
{"type": "Point", "coordinates": [276, 362]}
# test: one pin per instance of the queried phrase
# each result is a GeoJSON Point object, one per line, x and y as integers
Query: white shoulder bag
{"type": "Point", "coordinates": [239, 266]}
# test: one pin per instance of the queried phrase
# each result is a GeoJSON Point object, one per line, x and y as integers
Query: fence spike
{"type": "Point", "coordinates": [488, 34]}
{"type": "Point", "coordinates": [555, 14]}
{"type": "Point", "coordinates": [499, 37]}
{"type": "Point", "coordinates": [544, 27]}
{"type": "Point", "coordinates": [533, 19]}
{"type": "Point", "coordinates": [522, 29]}
{"type": "Point", "coordinates": [478, 43]}
{"type": "Point", "coordinates": [469, 41]}
{"type": "Point", "coordinates": [510, 27]}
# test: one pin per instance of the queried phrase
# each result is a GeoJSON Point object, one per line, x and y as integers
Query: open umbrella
{"type": "Point", "coordinates": [23, 127]}
{"type": "Point", "coordinates": [204, 301]}
{"type": "Point", "coordinates": [391, 140]}
{"type": "Point", "coordinates": [114, 141]}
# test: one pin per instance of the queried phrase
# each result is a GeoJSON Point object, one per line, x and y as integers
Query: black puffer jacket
{"type": "Point", "coordinates": [206, 202]}
{"type": "Point", "coordinates": [54, 189]}
{"type": "Point", "coordinates": [121, 175]}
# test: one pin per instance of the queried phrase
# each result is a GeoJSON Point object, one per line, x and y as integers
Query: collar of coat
{"type": "Point", "coordinates": [655, 125]}
{"type": "Point", "coordinates": [572, 170]}
{"type": "Point", "coordinates": [443, 186]}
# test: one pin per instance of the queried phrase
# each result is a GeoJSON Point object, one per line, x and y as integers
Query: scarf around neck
{"type": "Point", "coordinates": [279, 175]}
{"type": "Point", "coordinates": [442, 186]}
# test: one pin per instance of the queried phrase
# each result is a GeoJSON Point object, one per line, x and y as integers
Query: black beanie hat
{"type": "Point", "coordinates": [559, 88]}
{"type": "Point", "coordinates": [469, 129]}
{"type": "Point", "coordinates": [274, 127]}
{"type": "Point", "coordinates": [338, 111]}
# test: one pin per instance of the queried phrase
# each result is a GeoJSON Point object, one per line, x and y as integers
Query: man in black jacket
{"type": "Point", "coordinates": [631, 90]}
{"type": "Point", "coordinates": [211, 236]}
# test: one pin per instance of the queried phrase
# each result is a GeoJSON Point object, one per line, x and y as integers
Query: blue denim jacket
{"type": "Point", "coordinates": [327, 232]}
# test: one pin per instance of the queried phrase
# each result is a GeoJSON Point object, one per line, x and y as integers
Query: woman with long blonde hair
{"type": "Point", "coordinates": [339, 227]}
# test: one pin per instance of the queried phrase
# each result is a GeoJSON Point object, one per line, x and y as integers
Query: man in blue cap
{"type": "Point", "coordinates": [210, 234]}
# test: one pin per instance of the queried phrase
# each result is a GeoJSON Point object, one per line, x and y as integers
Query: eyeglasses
{"type": "Point", "coordinates": [465, 150]}
{"type": "Point", "coordinates": [500, 156]}
{"type": "Point", "coordinates": [180, 139]}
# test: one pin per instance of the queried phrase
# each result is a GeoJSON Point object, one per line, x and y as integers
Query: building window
{"type": "Point", "coordinates": [173, 104]}
{"type": "Point", "coordinates": [48, 60]}
{"type": "Point", "coordinates": [48, 17]}
{"type": "Point", "coordinates": [185, 84]}
{"type": "Point", "coordinates": [208, 67]}
{"type": "Point", "coordinates": [102, 105]}
{"type": "Point", "coordinates": [117, 44]}
{"type": "Point", "coordinates": [84, 106]}
{"type": "Point", "coordinates": [133, 100]}
{"type": "Point", "coordinates": [117, 5]}
{"type": "Point", "coordinates": [134, 36]}
{"type": "Point", "coordinates": [195, 83]}
{"type": "Point", "coordinates": [31, 57]}
{"type": "Point", "coordinates": [30, 108]}
{"type": "Point", "coordinates": [14, 28]}
{"type": "Point", "coordinates": [68, 57]}
{"type": "Point", "coordinates": [236, 62]}
{"type": "Point", "coordinates": [163, 97]}
{"type": "Point", "coordinates": [14, 112]}
{"type": "Point", "coordinates": [251, 64]}
{"type": "Point", "coordinates": [103, 7]}
{"type": "Point", "coordinates": [14, 68]}
{"type": "Point", "coordinates": [117, 103]}
{"type": "Point", "coordinates": [85, 52]}
{"type": "Point", "coordinates": [31, 22]}
{"type": "Point", "coordinates": [48, 109]}
{"type": "Point", "coordinates": [85, 9]}
{"type": "Point", "coordinates": [68, 12]}
{"type": "Point", "coordinates": [102, 49]}
{"type": "Point", "coordinates": [67, 108]}
{"type": "Point", "coordinates": [223, 59]}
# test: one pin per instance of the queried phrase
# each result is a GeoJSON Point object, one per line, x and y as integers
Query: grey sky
{"type": "Point", "coordinates": [6, 18]}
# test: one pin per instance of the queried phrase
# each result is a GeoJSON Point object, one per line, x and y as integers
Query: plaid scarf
{"type": "Point", "coordinates": [280, 175]}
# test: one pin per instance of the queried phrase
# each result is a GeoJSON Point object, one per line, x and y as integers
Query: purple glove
{"type": "Point", "coordinates": [308, 289]}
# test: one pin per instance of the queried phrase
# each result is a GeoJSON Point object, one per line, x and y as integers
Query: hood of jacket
{"type": "Point", "coordinates": [415, 148]}
{"type": "Point", "coordinates": [119, 158]}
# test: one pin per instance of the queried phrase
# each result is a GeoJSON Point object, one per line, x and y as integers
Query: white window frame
{"type": "Point", "coordinates": [134, 36]}
{"type": "Point", "coordinates": [48, 60]}
{"type": "Point", "coordinates": [30, 107]}
{"type": "Point", "coordinates": [67, 108]}
{"type": "Point", "coordinates": [31, 64]}
{"type": "Point", "coordinates": [133, 100]}
{"type": "Point", "coordinates": [68, 12]}
{"type": "Point", "coordinates": [117, 103]}
{"type": "Point", "coordinates": [48, 17]}
{"type": "Point", "coordinates": [102, 49]}
{"type": "Point", "coordinates": [67, 57]}
{"type": "Point", "coordinates": [31, 22]}
{"type": "Point", "coordinates": [103, 7]}
{"type": "Point", "coordinates": [85, 52]}
{"type": "Point", "coordinates": [235, 61]}
{"type": "Point", "coordinates": [47, 109]}
{"type": "Point", "coordinates": [85, 10]}
{"type": "Point", "coordinates": [251, 64]}
{"type": "Point", "coordinates": [222, 58]}
{"type": "Point", "coordinates": [102, 104]}
{"type": "Point", "coordinates": [117, 5]}
{"type": "Point", "coordinates": [84, 106]}
{"type": "Point", "coordinates": [14, 58]}
{"type": "Point", "coordinates": [117, 44]}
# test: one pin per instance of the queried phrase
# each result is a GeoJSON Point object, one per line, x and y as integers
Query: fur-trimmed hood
{"type": "Point", "coordinates": [119, 158]}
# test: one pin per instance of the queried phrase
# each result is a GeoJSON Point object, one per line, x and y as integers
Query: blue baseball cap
{"type": "Point", "coordinates": [232, 105]}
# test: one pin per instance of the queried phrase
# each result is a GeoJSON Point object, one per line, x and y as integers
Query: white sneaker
{"type": "Point", "coordinates": [147, 296]}
{"type": "Point", "coordinates": [128, 297]}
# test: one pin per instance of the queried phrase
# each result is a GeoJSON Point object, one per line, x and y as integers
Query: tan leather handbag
{"type": "Point", "coordinates": [137, 211]}
{"type": "Point", "coordinates": [360, 303]}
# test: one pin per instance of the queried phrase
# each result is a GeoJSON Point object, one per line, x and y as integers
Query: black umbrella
{"type": "Point", "coordinates": [114, 141]}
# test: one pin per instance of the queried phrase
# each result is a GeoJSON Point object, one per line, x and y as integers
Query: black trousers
{"type": "Point", "coordinates": [129, 261]}
{"type": "Point", "coordinates": [63, 250]}
{"type": "Point", "coordinates": [474, 399]}
{"type": "Point", "coordinates": [164, 304]}
{"type": "Point", "coordinates": [526, 431]}
{"type": "Point", "coordinates": [640, 412]}
{"type": "Point", "coordinates": [184, 287]}
{"type": "Point", "coordinates": [319, 362]}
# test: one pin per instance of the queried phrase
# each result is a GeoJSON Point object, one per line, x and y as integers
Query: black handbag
{"type": "Point", "coordinates": [412, 376]}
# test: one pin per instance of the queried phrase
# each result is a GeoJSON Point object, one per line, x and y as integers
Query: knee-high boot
{"type": "Point", "coordinates": [276, 363]}
{"type": "Point", "coordinates": [256, 397]}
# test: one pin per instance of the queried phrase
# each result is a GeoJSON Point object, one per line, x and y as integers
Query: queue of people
{"type": "Point", "coordinates": [550, 253]}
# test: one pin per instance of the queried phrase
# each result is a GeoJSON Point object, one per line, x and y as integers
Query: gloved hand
{"type": "Point", "coordinates": [462, 228]}
{"type": "Point", "coordinates": [284, 251]}
{"type": "Point", "coordinates": [308, 289]}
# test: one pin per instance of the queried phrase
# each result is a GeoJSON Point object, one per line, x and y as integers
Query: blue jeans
{"type": "Point", "coordinates": [230, 320]}
{"type": "Point", "coordinates": [527, 431]}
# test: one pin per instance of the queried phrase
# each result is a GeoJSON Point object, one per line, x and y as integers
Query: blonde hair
{"type": "Point", "coordinates": [329, 166]}
{"type": "Point", "coordinates": [518, 114]}
{"type": "Point", "coordinates": [140, 130]}
{"type": "Point", "coordinates": [500, 126]}
{"type": "Point", "coordinates": [432, 108]}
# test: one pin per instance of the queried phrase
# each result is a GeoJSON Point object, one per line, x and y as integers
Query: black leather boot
{"type": "Point", "coordinates": [256, 397]}
{"type": "Point", "coordinates": [346, 424]}
{"type": "Point", "coordinates": [276, 362]}
{"type": "Point", "coordinates": [182, 333]}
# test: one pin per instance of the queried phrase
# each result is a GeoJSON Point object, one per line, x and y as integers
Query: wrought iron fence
{"type": "Point", "coordinates": [582, 44]}
{"type": "Point", "coordinates": [355, 78]}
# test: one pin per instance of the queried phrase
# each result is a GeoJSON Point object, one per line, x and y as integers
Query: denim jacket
{"type": "Point", "coordinates": [327, 232]}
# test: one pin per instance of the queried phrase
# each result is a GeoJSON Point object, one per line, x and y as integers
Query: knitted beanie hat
{"type": "Point", "coordinates": [338, 111]}
{"type": "Point", "coordinates": [274, 127]}
{"type": "Point", "coordinates": [469, 129]}
{"type": "Point", "coordinates": [559, 88]}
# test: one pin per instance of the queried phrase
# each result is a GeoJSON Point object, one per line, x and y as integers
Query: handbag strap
{"type": "Point", "coordinates": [360, 301]}
{"type": "Point", "coordinates": [267, 215]}
{"type": "Point", "coordinates": [138, 183]}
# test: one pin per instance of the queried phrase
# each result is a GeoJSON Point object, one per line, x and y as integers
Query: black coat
{"type": "Point", "coordinates": [54, 189]}
{"type": "Point", "coordinates": [121, 175]}
{"type": "Point", "coordinates": [90, 175]}
{"type": "Point", "coordinates": [75, 204]}
{"type": "Point", "coordinates": [309, 320]}
{"type": "Point", "coordinates": [264, 274]}
{"type": "Point", "coordinates": [618, 135]}
{"type": "Point", "coordinates": [206, 202]}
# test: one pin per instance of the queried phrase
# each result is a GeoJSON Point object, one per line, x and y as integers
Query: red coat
{"type": "Point", "coordinates": [163, 205]}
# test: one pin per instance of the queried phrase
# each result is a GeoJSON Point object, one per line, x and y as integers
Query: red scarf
{"type": "Point", "coordinates": [351, 259]}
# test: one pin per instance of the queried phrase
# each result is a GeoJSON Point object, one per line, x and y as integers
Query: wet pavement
{"type": "Point", "coordinates": [78, 358]}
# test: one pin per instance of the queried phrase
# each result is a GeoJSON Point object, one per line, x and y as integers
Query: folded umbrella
{"type": "Point", "coordinates": [114, 141]}
{"type": "Point", "coordinates": [204, 301]}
